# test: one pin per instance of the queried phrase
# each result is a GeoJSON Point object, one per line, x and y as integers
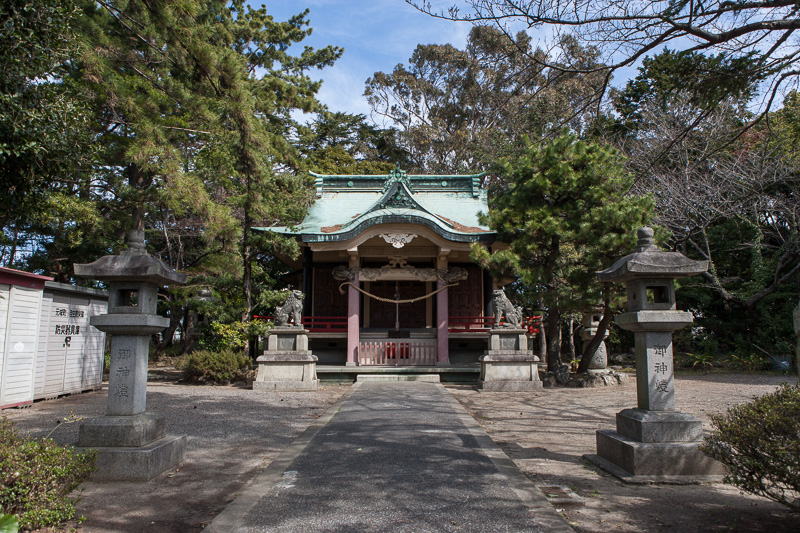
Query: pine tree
{"type": "Point", "coordinates": [564, 210]}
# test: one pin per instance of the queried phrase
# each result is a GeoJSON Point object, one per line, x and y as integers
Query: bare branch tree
{"type": "Point", "coordinates": [755, 37]}
{"type": "Point", "coordinates": [707, 179]}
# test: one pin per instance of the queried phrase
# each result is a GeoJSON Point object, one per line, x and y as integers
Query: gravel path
{"type": "Point", "coordinates": [546, 434]}
{"type": "Point", "coordinates": [233, 434]}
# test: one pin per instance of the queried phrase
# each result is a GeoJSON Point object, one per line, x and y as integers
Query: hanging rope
{"type": "Point", "coordinates": [389, 301]}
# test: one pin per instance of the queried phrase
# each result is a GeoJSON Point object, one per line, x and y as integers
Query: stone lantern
{"type": "Point", "coordinates": [589, 324]}
{"type": "Point", "coordinates": [131, 442]}
{"type": "Point", "coordinates": [654, 442]}
{"type": "Point", "coordinates": [198, 320]}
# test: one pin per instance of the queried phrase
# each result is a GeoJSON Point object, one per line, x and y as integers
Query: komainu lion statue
{"type": "Point", "coordinates": [503, 307]}
{"type": "Point", "coordinates": [293, 306]}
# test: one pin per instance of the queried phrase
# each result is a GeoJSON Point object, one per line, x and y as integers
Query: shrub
{"type": "Point", "coordinates": [759, 442]}
{"type": "Point", "coordinates": [216, 367]}
{"type": "Point", "coordinates": [37, 475]}
{"type": "Point", "coordinates": [220, 336]}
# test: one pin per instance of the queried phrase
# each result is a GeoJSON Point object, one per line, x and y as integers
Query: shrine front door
{"type": "Point", "coordinates": [382, 314]}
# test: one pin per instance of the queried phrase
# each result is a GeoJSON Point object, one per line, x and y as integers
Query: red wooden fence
{"type": "Point", "coordinates": [314, 324]}
{"type": "Point", "coordinates": [397, 353]}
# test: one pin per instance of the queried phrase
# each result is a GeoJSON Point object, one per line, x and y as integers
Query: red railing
{"type": "Point", "coordinates": [314, 324]}
{"type": "Point", "coordinates": [397, 353]}
{"type": "Point", "coordinates": [455, 324]}
{"type": "Point", "coordinates": [469, 324]}
{"type": "Point", "coordinates": [479, 324]}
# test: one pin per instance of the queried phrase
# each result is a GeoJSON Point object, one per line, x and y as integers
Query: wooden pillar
{"type": "Point", "coordinates": [442, 337]}
{"type": "Point", "coordinates": [353, 317]}
{"type": "Point", "coordinates": [308, 282]}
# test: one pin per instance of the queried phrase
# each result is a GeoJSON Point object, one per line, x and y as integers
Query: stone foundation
{"type": "Point", "coordinates": [508, 365]}
{"type": "Point", "coordinates": [634, 461]}
{"type": "Point", "coordinates": [287, 364]}
{"type": "Point", "coordinates": [139, 463]}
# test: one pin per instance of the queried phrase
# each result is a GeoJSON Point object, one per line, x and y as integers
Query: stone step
{"type": "Point", "coordinates": [428, 378]}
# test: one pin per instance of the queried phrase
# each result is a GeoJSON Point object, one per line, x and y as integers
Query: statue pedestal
{"type": "Point", "coordinates": [287, 364]}
{"type": "Point", "coordinates": [508, 365]}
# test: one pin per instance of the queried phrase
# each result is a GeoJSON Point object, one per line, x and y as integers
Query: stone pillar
{"type": "Point", "coordinates": [442, 336]}
{"type": "Point", "coordinates": [132, 443]}
{"type": "Point", "coordinates": [654, 442]}
{"type": "Point", "coordinates": [352, 323]}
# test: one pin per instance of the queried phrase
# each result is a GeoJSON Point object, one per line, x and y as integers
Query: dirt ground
{"type": "Point", "coordinates": [546, 434]}
{"type": "Point", "coordinates": [233, 435]}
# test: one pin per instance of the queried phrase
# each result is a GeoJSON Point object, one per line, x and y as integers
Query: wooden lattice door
{"type": "Point", "coordinates": [382, 314]}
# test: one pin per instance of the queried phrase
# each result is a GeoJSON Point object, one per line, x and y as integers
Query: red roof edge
{"type": "Point", "coordinates": [20, 278]}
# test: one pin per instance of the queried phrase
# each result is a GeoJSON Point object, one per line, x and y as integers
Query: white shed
{"type": "Point", "coordinates": [70, 352]}
{"type": "Point", "coordinates": [20, 310]}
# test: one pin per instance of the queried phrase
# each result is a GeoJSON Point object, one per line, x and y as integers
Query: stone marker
{"type": "Point", "coordinates": [508, 364]}
{"type": "Point", "coordinates": [287, 363]}
{"type": "Point", "coordinates": [132, 444]}
{"type": "Point", "coordinates": [654, 442]}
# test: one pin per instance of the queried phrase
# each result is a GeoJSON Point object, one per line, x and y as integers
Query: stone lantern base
{"type": "Point", "coordinates": [656, 446]}
{"type": "Point", "coordinates": [131, 448]}
{"type": "Point", "coordinates": [508, 365]}
{"type": "Point", "coordinates": [287, 364]}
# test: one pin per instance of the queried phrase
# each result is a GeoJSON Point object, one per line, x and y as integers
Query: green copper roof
{"type": "Point", "coordinates": [347, 205]}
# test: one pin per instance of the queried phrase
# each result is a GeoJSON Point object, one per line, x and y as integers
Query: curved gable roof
{"type": "Point", "coordinates": [347, 205]}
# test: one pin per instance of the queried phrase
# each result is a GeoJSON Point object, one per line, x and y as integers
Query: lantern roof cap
{"type": "Point", "coordinates": [651, 262]}
{"type": "Point", "coordinates": [132, 264]}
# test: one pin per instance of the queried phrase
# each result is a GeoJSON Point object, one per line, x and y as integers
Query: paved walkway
{"type": "Point", "coordinates": [392, 456]}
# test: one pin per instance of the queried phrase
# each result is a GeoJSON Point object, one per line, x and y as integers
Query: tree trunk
{"type": "Point", "coordinates": [571, 340]}
{"type": "Point", "coordinates": [168, 334]}
{"type": "Point", "coordinates": [187, 340]}
{"type": "Point", "coordinates": [542, 343]}
{"type": "Point", "coordinates": [553, 328]}
{"type": "Point", "coordinates": [247, 260]}
{"type": "Point", "coordinates": [553, 322]}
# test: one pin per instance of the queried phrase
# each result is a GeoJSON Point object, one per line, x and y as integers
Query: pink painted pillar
{"type": "Point", "coordinates": [352, 323]}
{"type": "Point", "coordinates": [442, 348]}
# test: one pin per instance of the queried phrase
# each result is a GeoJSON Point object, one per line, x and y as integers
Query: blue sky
{"type": "Point", "coordinates": [376, 35]}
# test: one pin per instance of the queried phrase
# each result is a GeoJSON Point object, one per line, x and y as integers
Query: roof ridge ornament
{"type": "Point", "coordinates": [398, 176]}
{"type": "Point", "coordinates": [646, 241]}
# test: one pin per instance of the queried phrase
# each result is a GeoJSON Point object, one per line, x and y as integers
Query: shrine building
{"type": "Point", "coordinates": [386, 269]}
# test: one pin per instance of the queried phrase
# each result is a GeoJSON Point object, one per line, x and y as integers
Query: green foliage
{"type": "Point", "coordinates": [37, 475]}
{"type": "Point", "coordinates": [42, 116]}
{"type": "Point", "coordinates": [708, 79]}
{"type": "Point", "coordinates": [703, 360]}
{"type": "Point", "coordinates": [206, 366]}
{"type": "Point", "coordinates": [758, 443]}
{"type": "Point", "coordinates": [748, 360]}
{"type": "Point", "coordinates": [8, 523]}
{"type": "Point", "coordinates": [341, 143]}
{"type": "Point", "coordinates": [564, 209]}
{"type": "Point", "coordinates": [462, 110]}
{"type": "Point", "coordinates": [234, 335]}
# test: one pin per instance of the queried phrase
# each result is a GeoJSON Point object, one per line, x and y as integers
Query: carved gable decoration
{"type": "Point", "coordinates": [397, 196]}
